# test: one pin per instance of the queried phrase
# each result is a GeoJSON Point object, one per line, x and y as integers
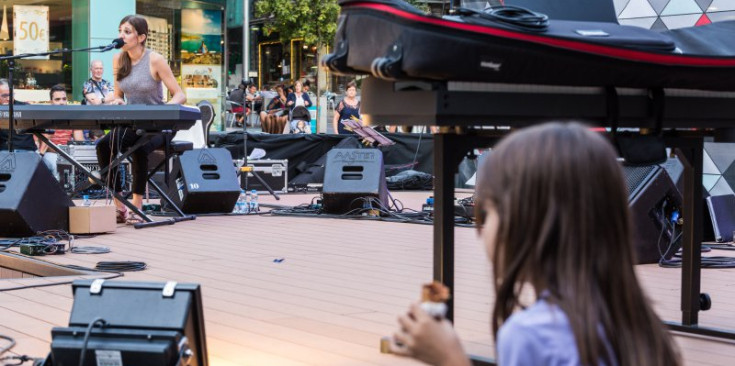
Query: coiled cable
{"type": "Point", "coordinates": [513, 16]}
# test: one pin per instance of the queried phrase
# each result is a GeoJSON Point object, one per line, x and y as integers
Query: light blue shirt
{"type": "Point", "coordinates": [539, 335]}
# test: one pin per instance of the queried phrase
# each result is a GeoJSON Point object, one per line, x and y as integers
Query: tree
{"type": "Point", "coordinates": [313, 20]}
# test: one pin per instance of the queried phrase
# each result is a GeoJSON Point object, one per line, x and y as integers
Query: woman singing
{"type": "Point", "coordinates": [139, 75]}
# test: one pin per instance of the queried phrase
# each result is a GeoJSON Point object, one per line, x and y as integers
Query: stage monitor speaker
{"type": "Point", "coordinates": [655, 204]}
{"type": "Point", "coordinates": [722, 214]}
{"type": "Point", "coordinates": [351, 174]}
{"type": "Point", "coordinates": [143, 324]}
{"type": "Point", "coordinates": [204, 181]}
{"type": "Point", "coordinates": [31, 199]}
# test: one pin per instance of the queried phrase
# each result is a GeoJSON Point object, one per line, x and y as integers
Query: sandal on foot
{"type": "Point", "coordinates": [133, 219]}
{"type": "Point", "coordinates": [122, 216]}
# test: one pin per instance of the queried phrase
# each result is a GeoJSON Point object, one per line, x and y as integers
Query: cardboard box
{"type": "Point", "coordinates": [92, 219]}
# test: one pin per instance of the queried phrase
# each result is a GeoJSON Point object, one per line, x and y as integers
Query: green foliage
{"type": "Point", "coordinates": [420, 4]}
{"type": "Point", "coordinates": [313, 20]}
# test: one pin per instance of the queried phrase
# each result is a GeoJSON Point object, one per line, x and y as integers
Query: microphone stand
{"type": "Point", "coordinates": [11, 70]}
{"type": "Point", "coordinates": [244, 168]}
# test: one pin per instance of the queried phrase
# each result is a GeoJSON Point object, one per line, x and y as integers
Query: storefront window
{"type": "Point", "coordinates": [190, 34]}
{"type": "Point", "coordinates": [34, 77]}
{"type": "Point", "coordinates": [273, 64]}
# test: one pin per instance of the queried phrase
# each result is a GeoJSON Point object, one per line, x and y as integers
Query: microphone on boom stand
{"type": "Point", "coordinates": [117, 43]}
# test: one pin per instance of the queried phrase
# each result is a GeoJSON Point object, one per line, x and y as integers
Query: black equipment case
{"type": "Point", "coordinates": [392, 40]}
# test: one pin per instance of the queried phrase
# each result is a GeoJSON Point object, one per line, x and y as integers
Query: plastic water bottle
{"type": "Point", "coordinates": [85, 201]}
{"type": "Point", "coordinates": [240, 205]}
{"type": "Point", "coordinates": [254, 201]}
{"type": "Point", "coordinates": [248, 202]}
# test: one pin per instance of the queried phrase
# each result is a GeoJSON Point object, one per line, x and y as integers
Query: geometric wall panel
{"type": "Point", "coordinates": [708, 166]}
{"type": "Point", "coordinates": [619, 5]}
{"type": "Point", "coordinates": [704, 4]}
{"type": "Point", "coordinates": [704, 20]}
{"type": "Point", "coordinates": [709, 181]}
{"type": "Point", "coordinates": [722, 154]}
{"type": "Point", "coordinates": [721, 188]}
{"type": "Point", "coordinates": [680, 7]}
{"type": "Point", "coordinates": [675, 13]}
{"type": "Point", "coordinates": [659, 5]}
{"type": "Point", "coordinates": [722, 16]}
{"type": "Point", "coordinates": [729, 176]}
{"type": "Point", "coordinates": [681, 21]}
{"type": "Point", "coordinates": [718, 157]}
{"type": "Point", "coordinates": [645, 23]}
{"type": "Point", "coordinates": [637, 9]}
{"type": "Point", "coordinates": [722, 5]}
{"type": "Point", "coordinates": [659, 26]}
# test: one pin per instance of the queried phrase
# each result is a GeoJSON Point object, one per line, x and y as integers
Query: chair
{"type": "Point", "coordinates": [254, 117]}
{"type": "Point", "coordinates": [230, 115]}
{"type": "Point", "coordinates": [208, 114]}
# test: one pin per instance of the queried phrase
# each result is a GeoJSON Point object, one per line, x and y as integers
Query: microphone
{"type": "Point", "coordinates": [118, 43]}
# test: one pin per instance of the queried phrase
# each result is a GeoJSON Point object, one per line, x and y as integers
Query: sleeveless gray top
{"type": "Point", "coordinates": [139, 87]}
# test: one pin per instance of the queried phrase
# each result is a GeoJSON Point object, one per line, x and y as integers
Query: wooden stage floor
{"type": "Point", "coordinates": [339, 288]}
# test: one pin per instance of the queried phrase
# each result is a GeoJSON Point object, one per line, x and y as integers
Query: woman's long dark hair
{"type": "Point", "coordinates": [141, 27]}
{"type": "Point", "coordinates": [564, 229]}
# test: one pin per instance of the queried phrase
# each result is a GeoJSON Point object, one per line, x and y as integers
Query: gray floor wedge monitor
{"type": "Point", "coordinates": [722, 211]}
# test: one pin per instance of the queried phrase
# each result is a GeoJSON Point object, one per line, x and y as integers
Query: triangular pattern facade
{"type": "Point", "coordinates": [704, 4]}
{"type": "Point", "coordinates": [672, 14]}
{"type": "Point", "coordinates": [718, 168]}
{"type": "Point", "coordinates": [680, 21]}
{"type": "Point", "coordinates": [721, 5]}
{"type": "Point", "coordinates": [681, 7]}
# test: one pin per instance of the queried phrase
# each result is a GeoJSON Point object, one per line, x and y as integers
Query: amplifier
{"type": "Point", "coordinates": [85, 154]}
{"type": "Point", "coordinates": [70, 178]}
{"type": "Point", "coordinates": [273, 172]}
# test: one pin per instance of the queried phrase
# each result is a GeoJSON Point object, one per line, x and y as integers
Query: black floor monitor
{"type": "Point", "coordinates": [722, 211]}
{"type": "Point", "coordinates": [143, 324]}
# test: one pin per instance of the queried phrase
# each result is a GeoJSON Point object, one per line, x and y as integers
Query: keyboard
{"type": "Point", "coordinates": [87, 117]}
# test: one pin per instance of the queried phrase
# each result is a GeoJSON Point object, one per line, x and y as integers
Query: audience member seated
{"type": "Point", "coordinates": [59, 137]}
{"type": "Point", "coordinates": [275, 117]}
{"type": "Point", "coordinates": [238, 96]}
{"type": "Point", "coordinates": [253, 101]}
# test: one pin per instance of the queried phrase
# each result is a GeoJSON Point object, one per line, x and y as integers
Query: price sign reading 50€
{"type": "Point", "coordinates": [30, 29]}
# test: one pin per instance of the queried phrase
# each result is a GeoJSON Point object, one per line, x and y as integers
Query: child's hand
{"type": "Point", "coordinates": [427, 339]}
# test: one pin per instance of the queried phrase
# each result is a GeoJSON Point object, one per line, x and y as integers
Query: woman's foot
{"type": "Point", "coordinates": [122, 216]}
{"type": "Point", "coordinates": [133, 219]}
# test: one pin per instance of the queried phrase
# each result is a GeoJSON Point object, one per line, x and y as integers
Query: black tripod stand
{"type": "Point", "coordinates": [244, 168]}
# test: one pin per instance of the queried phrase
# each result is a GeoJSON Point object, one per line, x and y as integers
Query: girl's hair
{"type": "Point", "coordinates": [141, 27]}
{"type": "Point", "coordinates": [351, 84]}
{"type": "Point", "coordinates": [564, 228]}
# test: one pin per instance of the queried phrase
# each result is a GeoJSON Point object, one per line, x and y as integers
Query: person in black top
{"type": "Point", "coordinates": [21, 141]}
{"type": "Point", "coordinates": [348, 108]}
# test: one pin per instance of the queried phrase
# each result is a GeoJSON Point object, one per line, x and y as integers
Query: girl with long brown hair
{"type": "Point", "coordinates": [556, 222]}
{"type": "Point", "coordinates": [139, 74]}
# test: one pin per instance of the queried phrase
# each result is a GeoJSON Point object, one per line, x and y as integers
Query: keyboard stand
{"type": "Point", "coordinates": [464, 111]}
{"type": "Point", "coordinates": [148, 222]}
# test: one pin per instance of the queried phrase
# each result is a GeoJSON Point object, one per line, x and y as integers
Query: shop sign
{"type": "Point", "coordinates": [30, 30]}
